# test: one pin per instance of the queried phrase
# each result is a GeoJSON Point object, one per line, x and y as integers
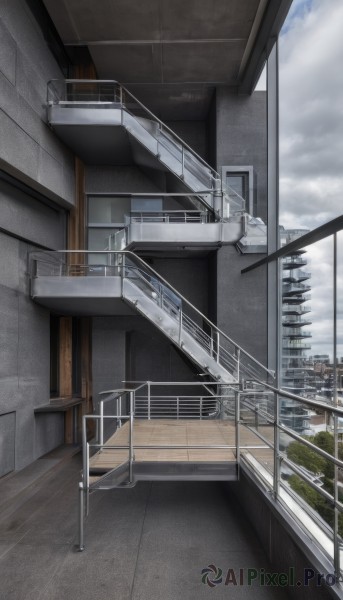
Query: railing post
{"type": "Point", "coordinates": [121, 271]}
{"type": "Point", "coordinates": [149, 402]}
{"type": "Point", "coordinates": [211, 343]}
{"type": "Point", "coordinates": [218, 346]}
{"type": "Point", "coordinates": [183, 163]}
{"type": "Point", "coordinates": [201, 405]}
{"type": "Point", "coordinates": [120, 411]}
{"type": "Point", "coordinates": [177, 408]}
{"type": "Point", "coordinates": [237, 424]}
{"type": "Point", "coordinates": [81, 517]}
{"type": "Point", "coordinates": [101, 424]}
{"type": "Point", "coordinates": [180, 325]}
{"type": "Point", "coordinates": [84, 448]}
{"type": "Point", "coordinates": [276, 445]}
{"type": "Point", "coordinates": [131, 439]}
{"type": "Point", "coordinates": [87, 480]}
{"type": "Point", "coordinates": [238, 357]}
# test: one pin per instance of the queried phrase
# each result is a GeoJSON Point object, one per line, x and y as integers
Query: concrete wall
{"type": "Point", "coordinates": [24, 216]}
{"type": "Point", "coordinates": [189, 276]}
{"type": "Point", "coordinates": [25, 326]}
{"type": "Point", "coordinates": [242, 137]}
{"type": "Point", "coordinates": [279, 545]}
{"type": "Point", "coordinates": [106, 179]}
{"type": "Point", "coordinates": [130, 348]}
{"type": "Point", "coordinates": [29, 150]}
{"type": "Point", "coordinates": [194, 133]}
{"type": "Point", "coordinates": [242, 301]}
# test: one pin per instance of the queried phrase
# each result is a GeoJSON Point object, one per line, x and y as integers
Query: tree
{"type": "Point", "coordinates": [302, 455]}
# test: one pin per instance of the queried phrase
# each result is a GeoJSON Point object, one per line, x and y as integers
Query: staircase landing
{"type": "Point", "coordinates": [151, 439]}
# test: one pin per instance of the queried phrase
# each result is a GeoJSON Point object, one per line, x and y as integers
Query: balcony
{"type": "Point", "coordinates": [294, 321]}
{"type": "Point", "coordinates": [291, 332]}
{"type": "Point", "coordinates": [294, 262]}
{"type": "Point", "coordinates": [176, 230]}
{"type": "Point", "coordinates": [297, 311]}
{"type": "Point", "coordinates": [129, 447]}
{"type": "Point", "coordinates": [296, 277]}
{"type": "Point", "coordinates": [295, 345]}
{"type": "Point", "coordinates": [293, 289]}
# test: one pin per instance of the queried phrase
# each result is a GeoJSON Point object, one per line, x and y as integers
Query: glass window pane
{"type": "Point", "coordinates": [98, 238]}
{"type": "Point", "coordinates": [310, 112]}
{"type": "Point", "coordinates": [108, 210]}
{"type": "Point", "coordinates": [339, 324]}
{"type": "Point", "coordinates": [320, 361]}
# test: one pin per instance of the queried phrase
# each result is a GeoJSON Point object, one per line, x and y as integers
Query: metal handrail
{"type": "Point", "coordinates": [245, 398]}
{"type": "Point", "coordinates": [155, 118]}
{"type": "Point", "coordinates": [214, 174]}
{"type": "Point", "coordinates": [169, 216]}
{"type": "Point", "coordinates": [159, 277]}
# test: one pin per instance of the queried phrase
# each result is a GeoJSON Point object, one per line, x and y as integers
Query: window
{"type": "Point", "coordinates": [240, 185]}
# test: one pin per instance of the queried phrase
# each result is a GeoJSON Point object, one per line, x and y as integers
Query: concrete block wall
{"type": "Point", "coordinates": [25, 329]}
{"type": "Point", "coordinates": [279, 545]}
{"type": "Point", "coordinates": [241, 126]}
{"type": "Point", "coordinates": [130, 348]}
{"type": "Point", "coordinates": [242, 301]}
{"type": "Point", "coordinates": [29, 150]}
{"type": "Point", "coordinates": [241, 139]}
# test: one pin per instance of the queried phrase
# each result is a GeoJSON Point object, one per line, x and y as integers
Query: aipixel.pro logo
{"type": "Point", "coordinates": [212, 575]}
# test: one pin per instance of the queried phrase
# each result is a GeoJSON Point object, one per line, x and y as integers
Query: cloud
{"type": "Point", "coordinates": [311, 114]}
{"type": "Point", "coordinates": [311, 147]}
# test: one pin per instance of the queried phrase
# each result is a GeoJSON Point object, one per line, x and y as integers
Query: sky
{"type": "Point", "coordinates": [311, 145]}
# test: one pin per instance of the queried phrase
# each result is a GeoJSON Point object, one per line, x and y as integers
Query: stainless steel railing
{"type": "Point", "coordinates": [109, 93]}
{"type": "Point", "coordinates": [177, 407]}
{"type": "Point", "coordinates": [188, 318]}
{"type": "Point", "coordinates": [170, 216]}
{"type": "Point", "coordinates": [269, 460]}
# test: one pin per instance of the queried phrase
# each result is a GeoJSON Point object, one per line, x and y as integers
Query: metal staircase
{"type": "Point", "coordinates": [77, 102]}
{"type": "Point", "coordinates": [198, 338]}
{"type": "Point", "coordinates": [133, 281]}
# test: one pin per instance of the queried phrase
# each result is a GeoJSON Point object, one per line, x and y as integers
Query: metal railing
{"type": "Point", "coordinates": [297, 261]}
{"type": "Point", "coordinates": [169, 216]}
{"type": "Point", "coordinates": [267, 456]}
{"type": "Point", "coordinates": [177, 407]}
{"type": "Point", "coordinates": [149, 284]}
{"type": "Point", "coordinates": [130, 403]}
{"type": "Point", "coordinates": [80, 93]}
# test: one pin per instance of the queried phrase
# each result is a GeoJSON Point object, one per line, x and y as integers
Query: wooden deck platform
{"type": "Point", "coordinates": [168, 432]}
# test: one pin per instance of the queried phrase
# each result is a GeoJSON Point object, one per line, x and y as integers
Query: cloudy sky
{"type": "Point", "coordinates": [311, 144]}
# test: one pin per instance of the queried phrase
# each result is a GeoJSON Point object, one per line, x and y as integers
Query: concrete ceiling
{"type": "Point", "coordinates": [172, 53]}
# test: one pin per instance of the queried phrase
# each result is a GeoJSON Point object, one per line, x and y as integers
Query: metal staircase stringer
{"type": "Point", "coordinates": [177, 334]}
{"type": "Point", "coordinates": [152, 144]}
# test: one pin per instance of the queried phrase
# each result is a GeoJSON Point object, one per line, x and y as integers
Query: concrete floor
{"type": "Point", "coordinates": [146, 543]}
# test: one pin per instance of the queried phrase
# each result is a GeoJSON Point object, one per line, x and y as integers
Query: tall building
{"type": "Point", "coordinates": [138, 243]}
{"type": "Point", "coordinates": [296, 339]}
{"type": "Point", "coordinates": [171, 165]}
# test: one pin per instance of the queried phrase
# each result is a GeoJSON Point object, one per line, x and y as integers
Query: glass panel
{"type": "Point", "coordinates": [237, 181]}
{"type": "Point", "coordinates": [339, 325]}
{"type": "Point", "coordinates": [310, 135]}
{"type": "Point", "coordinates": [310, 467]}
{"type": "Point", "coordinates": [108, 210]}
{"type": "Point", "coordinates": [310, 501]}
{"type": "Point", "coordinates": [320, 358]}
{"type": "Point", "coordinates": [147, 204]}
{"type": "Point", "coordinates": [98, 238]}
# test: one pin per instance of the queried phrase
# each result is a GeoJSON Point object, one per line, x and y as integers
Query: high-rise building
{"type": "Point", "coordinates": [296, 339]}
